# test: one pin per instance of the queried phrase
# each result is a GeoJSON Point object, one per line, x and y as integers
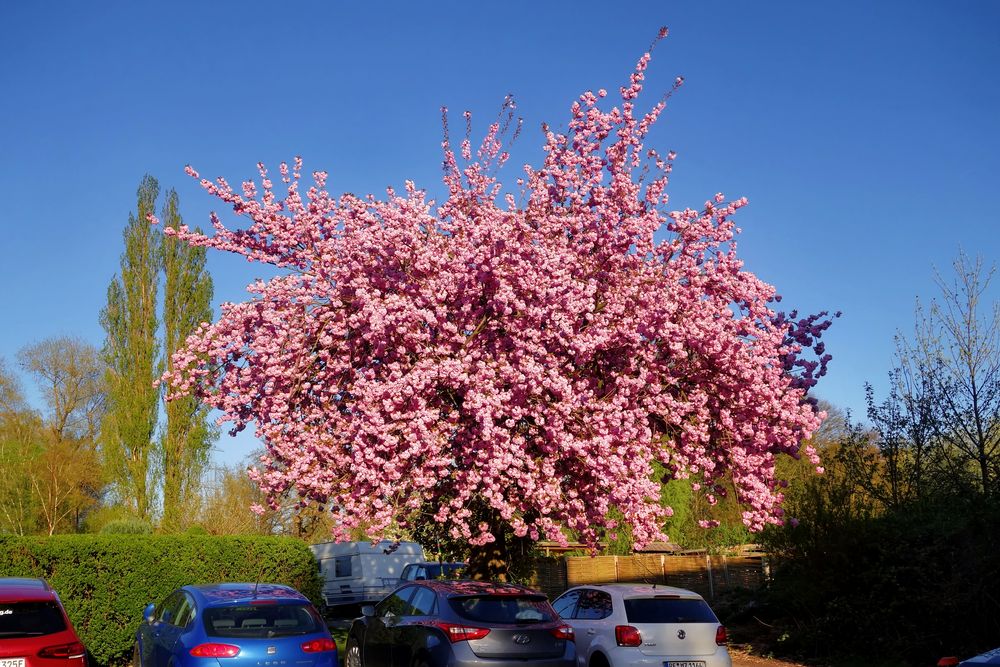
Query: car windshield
{"type": "Point", "coordinates": [30, 619]}
{"type": "Point", "coordinates": [261, 620]}
{"type": "Point", "coordinates": [668, 610]}
{"type": "Point", "coordinates": [503, 608]}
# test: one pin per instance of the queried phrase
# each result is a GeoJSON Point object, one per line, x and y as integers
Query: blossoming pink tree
{"type": "Point", "coordinates": [514, 360]}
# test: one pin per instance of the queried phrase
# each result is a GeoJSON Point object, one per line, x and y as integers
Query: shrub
{"type": "Point", "coordinates": [127, 527]}
{"type": "Point", "coordinates": [105, 581]}
{"type": "Point", "coordinates": [914, 583]}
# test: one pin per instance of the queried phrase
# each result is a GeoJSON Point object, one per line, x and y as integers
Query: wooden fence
{"type": "Point", "coordinates": [705, 574]}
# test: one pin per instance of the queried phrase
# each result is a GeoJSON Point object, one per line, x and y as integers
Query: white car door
{"type": "Point", "coordinates": [590, 623]}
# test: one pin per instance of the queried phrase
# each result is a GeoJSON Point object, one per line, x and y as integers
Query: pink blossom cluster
{"type": "Point", "coordinates": [534, 353]}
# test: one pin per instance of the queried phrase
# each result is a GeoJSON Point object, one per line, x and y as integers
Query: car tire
{"type": "Point", "coordinates": [599, 660]}
{"type": "Point", "coordinates": [352, 654]}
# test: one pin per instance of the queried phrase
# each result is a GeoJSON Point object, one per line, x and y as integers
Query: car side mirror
{"type": "Point", "coordinates": [148, 612]}
{"type": "Point", "coordinates": [368, 610]}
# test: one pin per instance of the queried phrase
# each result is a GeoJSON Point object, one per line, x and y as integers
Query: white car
{"type": "Point", "coordinates": [643, 625]}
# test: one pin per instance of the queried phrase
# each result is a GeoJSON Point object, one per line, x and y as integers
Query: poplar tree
{"type": "Point", "coordinates": [131, 353]}
{"type": "Point", "coordinates": [187, 302]}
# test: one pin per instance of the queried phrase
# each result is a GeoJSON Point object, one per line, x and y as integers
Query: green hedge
{"type": "Point", "coordinates": [105, 581]}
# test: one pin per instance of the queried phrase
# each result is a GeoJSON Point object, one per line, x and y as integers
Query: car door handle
{"type": "Point", "coordinates": [592, 631]}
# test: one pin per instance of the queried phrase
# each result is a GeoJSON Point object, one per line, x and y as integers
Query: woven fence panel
{"type": "Point", "coordinates": [738, 571]}
{"type": "Point", "coordinates": [587, 570]}
{"type": "Point", "coordinates": [550, 577]}
{"type": "Point", "coordinates": [689, 572]}
{"type": "Point", "coordinates": [647, 568]}
{"type": "Point", "coordinates": [707, 575]}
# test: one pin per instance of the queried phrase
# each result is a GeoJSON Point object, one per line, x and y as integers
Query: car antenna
{"type": "Point", "coordinates": [257, 583]}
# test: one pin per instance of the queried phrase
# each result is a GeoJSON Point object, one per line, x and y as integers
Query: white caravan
{"type": "Point", "coordinates": [359, 573]}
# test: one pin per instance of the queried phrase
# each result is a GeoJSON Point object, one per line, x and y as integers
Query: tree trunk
{"type": "Point", "coordinates": [506, 559]}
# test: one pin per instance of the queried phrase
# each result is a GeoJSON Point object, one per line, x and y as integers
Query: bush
{"type": "Point", "coordinates": [127, 527]}
{"type": "Point", "coordinates": [105, 581]}
{"type": "Point", "coordinates": [914, 583]}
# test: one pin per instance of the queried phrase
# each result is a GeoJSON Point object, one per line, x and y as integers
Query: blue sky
{"type": "Point", "coordinates": [865, 134]}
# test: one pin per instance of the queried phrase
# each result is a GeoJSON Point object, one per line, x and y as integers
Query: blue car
{"type": "Point", "coordinates": [237, 625]}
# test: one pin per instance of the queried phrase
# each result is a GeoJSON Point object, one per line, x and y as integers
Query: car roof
{"type": "Point", "coordinates": [243, 593]}
{"type": "Point", "coordinates": [463, 587]}
{"type": "Point", "coordinates": [16, 589]}
{"type": "Point", "coordinates": [638, 590]}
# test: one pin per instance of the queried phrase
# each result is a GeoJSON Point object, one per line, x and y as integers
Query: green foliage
{"type": "Point", "coordinates": [131, 356]}
{"type": "Point", "coordinates": [127, 527]}
{"type": "Point", "coordinates": [619, 542]}
{"type": "Point", "coordinates": [915, 582]}
{"type": "Point", "coordinates": [187, 302]}
{"type": "Point", "coordinates": [105, 581]}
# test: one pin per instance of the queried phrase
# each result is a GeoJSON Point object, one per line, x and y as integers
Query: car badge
{"type": "Point", "coordinates": [681, 634]}
{"type": "Point", "coordinates": [271, 650]}
{"type": "Point", "coordinates": [522, 639]}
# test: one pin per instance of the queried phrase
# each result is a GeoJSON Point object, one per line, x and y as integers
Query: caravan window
{"type": "Point", "coordinates": [342, 566]}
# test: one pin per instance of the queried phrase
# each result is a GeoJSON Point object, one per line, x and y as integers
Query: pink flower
{"type": "Point", "coordinates": [535, 355]}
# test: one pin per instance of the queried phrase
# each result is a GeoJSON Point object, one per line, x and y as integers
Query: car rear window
{"type": "Point", "coordinates": [668, 610]}
{"type": "Point", "coordinates": [503, 608]}
{"type": "Point", "coordinates": [261, 620]}
{"type": "Point", "coordinates": [30, 619]}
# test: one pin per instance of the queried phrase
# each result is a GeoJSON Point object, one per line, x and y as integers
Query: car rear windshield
{"type": "Point", "coordinates": [30, 619]}
{"type": "Point", "coordinates": [503, 608]}
{"type": "Point", "coordinates": [668, 610]}
{"type": "Point", "coordinates": [261, 620]}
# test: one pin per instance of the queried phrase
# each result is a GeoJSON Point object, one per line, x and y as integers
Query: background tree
{"type": "Point", "coordinates": [905, 516]}
{"type": "Point", "coordinates": [187, 438]}
{"type": "Point", "coordinates": [228, 496]}
{"type": "Point", "coordinates": [20, 429]}
{"type": "Point", "coordinates": [956, 350]}
{"type": "Point", "coordinates": [66, 475]}
{"type": "Point", "coordinates": [68, 373]}
{"type": "Point", "coordinates": [131, 357]}
{"type": "Point", "coordinates": [520, 359]}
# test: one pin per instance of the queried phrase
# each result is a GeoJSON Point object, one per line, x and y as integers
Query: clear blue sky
{"type": "Point", "coordinates": [865, 134]}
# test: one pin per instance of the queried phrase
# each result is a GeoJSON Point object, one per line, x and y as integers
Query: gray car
{"type": "Point", "coordinates": [642, 625]}
{"type": "Point", "coordinates": [460, 624]}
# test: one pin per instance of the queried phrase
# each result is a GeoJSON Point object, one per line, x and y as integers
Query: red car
{"type": "Point", "coordinates": [34, 628]}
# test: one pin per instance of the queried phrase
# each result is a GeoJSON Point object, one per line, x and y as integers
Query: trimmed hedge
{"type": "Point", "coordinates": [105, 581]}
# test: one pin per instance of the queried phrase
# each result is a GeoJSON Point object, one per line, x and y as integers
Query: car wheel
{"type": "Point", "coordinates": [352, 655]}
{"type": "Point", "coordinates": [599, 660]}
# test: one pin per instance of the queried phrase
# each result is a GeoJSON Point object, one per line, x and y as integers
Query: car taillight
{"type": "Point", "coordinates": [721, 637]}
{"type": "Point", "coordinates": [67, 651]}
{"type": "Point", "coordinates": [563, 632]}
{"type": "Point", "coordinates": [461, 633]}
{"type": "Point", "coordinates": [215, 651]}
{"type": "Point", "coordinates": [319, 645]}
{"type": "Point", "coordinates": [626, 635]}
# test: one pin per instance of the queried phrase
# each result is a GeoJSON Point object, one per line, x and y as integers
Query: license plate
{"type": "Point", "coordinates": [684, 663]}
{"type": "Point", "coordinates": [11, 662]}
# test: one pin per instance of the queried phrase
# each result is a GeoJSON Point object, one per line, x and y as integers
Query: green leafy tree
{"type": "Point", "coordinates": [19, 430]}
{"type": "Point", "coordinates": [132, 361]}
{"type": "Point", "coordinates": [65, 475]}
{"type": "Point", "coordinates": [188, 435]}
